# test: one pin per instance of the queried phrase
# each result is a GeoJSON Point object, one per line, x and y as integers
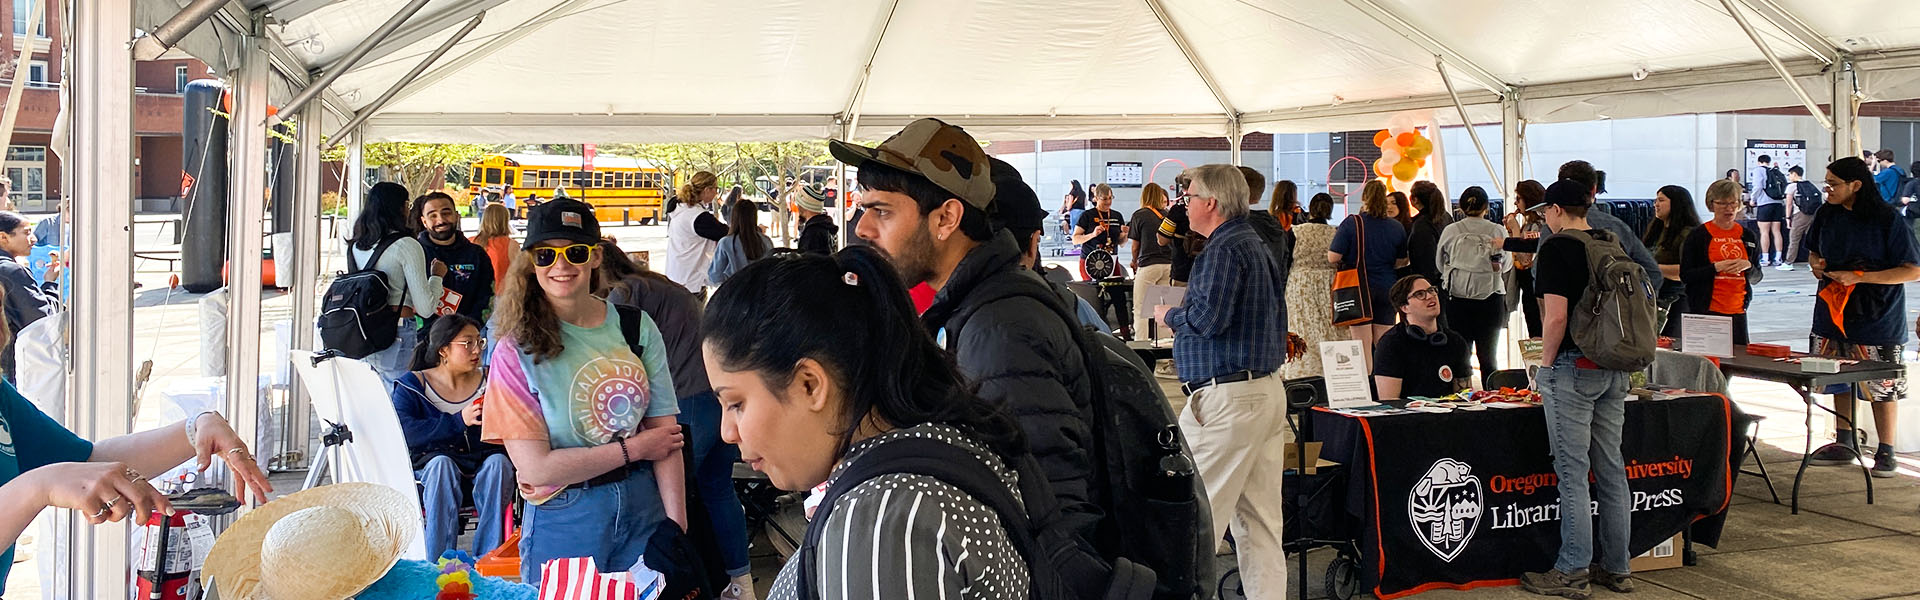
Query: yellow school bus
{"type": "Point", "coordinates": [617, 187]}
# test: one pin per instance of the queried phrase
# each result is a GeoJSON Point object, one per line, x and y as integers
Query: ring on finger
{"type": "Point", "coordinates": [241, 452]}
{"type": "Point", "coordinates": [99, 513]}
{"type": "Point", "coordinates": [133, 475]}
{"type": "Point", "coordinates": [115, 500]}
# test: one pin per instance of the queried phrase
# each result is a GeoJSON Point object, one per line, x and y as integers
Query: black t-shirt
{"type": "Point", "coordinates": [1561, 268]}
{"type": "Point", "coordinates": [1090, 221]}
{"type": "Point", "coordinates": [1423, 367]}
{"type": "Point", "coordinates": [1144, 230]}
{"type": "Point", "coordinates": [1186, 244]}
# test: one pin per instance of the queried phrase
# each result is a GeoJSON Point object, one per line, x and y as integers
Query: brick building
{"type": "Point", "coordinates": [34, 170]}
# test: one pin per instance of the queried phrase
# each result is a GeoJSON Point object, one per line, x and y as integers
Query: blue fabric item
{"type": "Point", "coordinates": [1234, 317]}
{"type": "Point", "coordinates": [29, 439]}
{"type": "Point", "coordinates": [393, 362]}
{"type": "Point", "coordinates": [730, 257]}
{"type": "Point", "coordinates": [1888, 180]}
{"type": "Point", "coordinates": [610, 523]}
{"type": "Point", "coordinates": [440, 495]}
{"type": "Point", "coordinates": [1876, 314]}
{"type": "Point", "coordinates": [1386, 244]}
{"type": "Point", "coordinates": [426, 427]}
{"type": "Point", "coordinates": [713, 476]}
{"type": "Point", "coordinates": [1586, 414]}
{"type": "Point", "coordinates": [1088, 317]}
{"type": "Point", "coordinates": [414, 580]}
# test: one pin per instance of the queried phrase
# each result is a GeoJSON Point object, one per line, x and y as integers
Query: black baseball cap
{"type": "Point", "coordinates": [1565, 192]}
{"type": "Point", "coordinates": [1019, 205]}
{"type": "Point", "coordinates": [561, 219]}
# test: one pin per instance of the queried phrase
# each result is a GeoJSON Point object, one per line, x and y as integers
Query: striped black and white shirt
{"type": "Point", "coordinates": [913, 537]}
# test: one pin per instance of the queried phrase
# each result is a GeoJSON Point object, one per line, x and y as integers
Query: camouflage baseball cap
{"type": "Point", "coordinates": [930, 148]}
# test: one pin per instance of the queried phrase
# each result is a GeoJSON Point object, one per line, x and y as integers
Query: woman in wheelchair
{"type": "Point", "coordinates": [440, 407]}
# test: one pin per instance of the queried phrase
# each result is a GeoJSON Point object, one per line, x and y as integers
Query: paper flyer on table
{"type": "Point", "coordinates": [1706, 335]}
{"type": "Point", "coordinates": [1346, 374]}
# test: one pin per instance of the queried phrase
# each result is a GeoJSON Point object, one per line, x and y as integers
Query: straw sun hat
{"type": "Point", "coordinates": [326, 543]}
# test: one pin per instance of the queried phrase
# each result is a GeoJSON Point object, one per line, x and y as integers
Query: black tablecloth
{"type": "Point", "coordinates": [1484, 486]}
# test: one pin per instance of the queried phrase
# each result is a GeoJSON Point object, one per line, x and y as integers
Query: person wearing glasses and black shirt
{"type": "Point", "coordinates": [1418, 357]}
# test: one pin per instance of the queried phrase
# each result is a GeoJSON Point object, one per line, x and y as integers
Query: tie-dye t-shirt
{"type": "Point", "coordinates": [596, 388]}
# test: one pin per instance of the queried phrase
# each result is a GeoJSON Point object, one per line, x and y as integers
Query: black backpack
{"type": "Point", "coordinates": [1157, 518]}
{"type": "Point", "coordinates": [1806, 198]}
{"type": "Point", "coordinates": [355, 319]}
{"type": "Point", "coordinates": [1776, 186]}
{"type": "Point", "coordinates": [1027, 525]}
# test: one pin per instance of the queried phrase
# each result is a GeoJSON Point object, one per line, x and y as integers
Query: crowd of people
{"type": "Point", "coordinates": [614, 401]}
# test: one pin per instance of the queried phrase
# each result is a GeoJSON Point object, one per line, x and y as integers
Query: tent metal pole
{"type": "Point", "coordinates": [247, 200]}
{"type": "Point", "coordinates": [1846, 117]}
{"type": "Point", "coordinates": [412, 75]}
{"type": "Point", "coordinates": [1774, 61]}
{"type": "Point", "coordinates": [852, 108]}
{"type": "Point", "coordinates": [1511, 135]}
{"type": "Point", "coordinates": [840, 173]}
{"type": "Point", "coordinates": [354, 185]}
{"type": "Point", "coordinates": [100, 385]}
{"type": "Point", "coordinates": [1235, 136]}
{"type": "Point", "coordinates": [421, 29]}
{"type": "Point", "coordinates": [1440, 64]}
{"type": "Point", "coordinates": [512, 36]}
{"type": "Point", "coordinates": [352, 58]}
{"type": "Point", "coordinates": [305, 264]}
{"type": "Point", "coordinates": [151, 46]}
{"type": "Point", "coordinates": [1193, 58]}
{"type": "Point", "coordinates": [1809, 39]}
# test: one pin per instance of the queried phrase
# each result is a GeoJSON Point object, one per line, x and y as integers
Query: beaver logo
{"type": "Point", "coordinates": [1445, 507]}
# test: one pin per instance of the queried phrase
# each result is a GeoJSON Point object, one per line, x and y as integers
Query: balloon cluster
{"type": "Point", "coordinates": [1403, 153]}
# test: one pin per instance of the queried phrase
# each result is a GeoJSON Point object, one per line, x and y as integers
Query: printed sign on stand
{"type": "Point", "coordinates": [1706, 335]}
{"type": "Point", "coordinates": [1346, 374]}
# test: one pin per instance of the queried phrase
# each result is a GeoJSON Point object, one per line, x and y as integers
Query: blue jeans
{"type": "Point", "coordinates": [1586, 410]}
{"type": "Point", "coordinates": [440, 483]}
{"type": "Point", "coordinates": [396, 359]}
{"type": "Point", "coordinates": [610, 523]}
{"type": "Point", "coordinates": [713, 475]}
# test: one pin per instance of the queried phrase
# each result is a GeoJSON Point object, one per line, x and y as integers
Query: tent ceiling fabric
{"type": "Point", "coordinates": [671, 70]}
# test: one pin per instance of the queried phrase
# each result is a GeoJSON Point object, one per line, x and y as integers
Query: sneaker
{"type": "Point", "coordinates": [1833, 455]}
{"type": "Point", "coordinates": [1165, 370]}
{"type": "Point", "coordinates": [1883, 464]}
{"type": "Point", "coordinates": [1555, 583]}
{"type": "Point", "coordinates": [1785, 267]}
{"type": "Point", "coordinates": [740, 589]}
{"type": "Point", "coordinates": [1617, 583]}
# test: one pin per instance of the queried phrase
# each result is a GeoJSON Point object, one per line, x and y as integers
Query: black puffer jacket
{"type": "Point", "coordinates": [1024, 356]}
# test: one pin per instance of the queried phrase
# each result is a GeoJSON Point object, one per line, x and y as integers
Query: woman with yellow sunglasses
{"type": "Point", "coordinates": [580, 394]}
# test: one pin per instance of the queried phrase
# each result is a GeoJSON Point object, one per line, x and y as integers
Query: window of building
{"type": "Point", "coordinates": [180, 79]}
{"type": "Point", "coordinates": [27, 171]}
{"type": "Point", "coordinates": [37, 74]}
{"type": "Point", "coordinates": [20, 13]}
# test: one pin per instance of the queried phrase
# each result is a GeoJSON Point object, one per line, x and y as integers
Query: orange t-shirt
{"type": "Point", "coordinates": [1729, 289]}
{"type": "Point", "coordinates": [500, 252]}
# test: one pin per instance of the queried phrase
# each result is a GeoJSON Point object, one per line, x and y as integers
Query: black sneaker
{"type": "Point", "coordinates": [1617, 583]}
{"type": "Point", "coordinates": [1833, 455]}
{"type": "Point", "coordinates": [1883, 464]}
{"type": "Point", "coordinates": [1555, 583]}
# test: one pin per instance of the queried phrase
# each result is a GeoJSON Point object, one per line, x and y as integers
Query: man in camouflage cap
{"type": "Point", "coordinates": [929, 200]}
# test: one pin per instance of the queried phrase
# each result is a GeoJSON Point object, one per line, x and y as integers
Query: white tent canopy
{"type": "Point", "coordinates": [569, 71]}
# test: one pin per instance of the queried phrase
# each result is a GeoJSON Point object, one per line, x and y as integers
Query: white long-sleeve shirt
{"type": "Point", "coordinates": [408, 281]}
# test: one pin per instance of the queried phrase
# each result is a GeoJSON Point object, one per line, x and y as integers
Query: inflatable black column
{"type": "Point", "coordinates": [203, 250]}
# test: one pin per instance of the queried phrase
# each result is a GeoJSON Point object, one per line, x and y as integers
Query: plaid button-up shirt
{"type": "Point", "coordinates": [1234, 317]}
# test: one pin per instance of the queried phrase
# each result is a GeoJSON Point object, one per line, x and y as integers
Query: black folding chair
{"type": "Point", "coordinates": [1508, 378]}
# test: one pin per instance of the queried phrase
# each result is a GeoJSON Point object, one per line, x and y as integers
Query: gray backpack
{"type": "Point", "coordinates": [1614, 321]}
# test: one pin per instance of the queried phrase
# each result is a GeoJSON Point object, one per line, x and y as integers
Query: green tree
{"type": "Point", "coordinates": [421, 167]}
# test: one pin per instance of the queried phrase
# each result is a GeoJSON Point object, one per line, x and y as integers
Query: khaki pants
{"type": "Point", "coordinates": [1142, 312]}
{"type": "Point", "coordinates": [1796, 232]}
{"type": "Point", "coordinates": [1238, 432]}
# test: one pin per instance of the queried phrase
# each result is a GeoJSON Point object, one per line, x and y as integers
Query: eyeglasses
{"type": "Point", "coordinates": [544, 256]}
{"type": "Point", "coordinates": [1423, 294]}
{"type": "Point", "coordinates": [472, 345]}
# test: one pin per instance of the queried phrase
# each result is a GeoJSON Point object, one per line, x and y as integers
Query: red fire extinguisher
{"type": "Point", "coordinates": [159, 579]}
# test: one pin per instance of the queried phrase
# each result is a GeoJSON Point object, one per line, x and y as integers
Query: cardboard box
{"type": "Point", "coordinates": [1667, 555]}
{"type": "Point", "coordinates": [1312, 450]}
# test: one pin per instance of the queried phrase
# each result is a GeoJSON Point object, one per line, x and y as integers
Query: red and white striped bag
{"type": "Point", "coordinates": [580, 579]}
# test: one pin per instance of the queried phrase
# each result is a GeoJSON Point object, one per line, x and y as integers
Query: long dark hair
{"type": "Point", "coordinates": [743, 223]}
{"type": "Point", "coordinates": [777, 311]}
{"type": "Point", "coordinates": [1399, 201]}
{"type": "Point", "coordinates": [426, 355]}
{"type": "Point", "coordinates": [1079, 194]}
{"type": "Point", "coordinates": [1682, 217]}
{"type": "Point", "coordinates": [1866, 202]}
{"type": "Point", "coordinates": [616, 266]}
{"type": "Point", "coordinates": [1432, 203]}
{"type": "Point", "coordinates": [385, 214]}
